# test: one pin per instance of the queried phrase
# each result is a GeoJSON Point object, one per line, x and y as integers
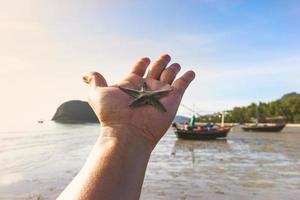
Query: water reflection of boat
{"type": "Point", "coordinates": [264, 128]}
{"type": "Point", "coordinates": [190, 145]}
{"type": "Point", "coordinates": [184, 148]}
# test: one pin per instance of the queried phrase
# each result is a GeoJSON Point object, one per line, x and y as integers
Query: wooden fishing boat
{"type": "Point", "coordinates": [264, 128]}
{"type": "Point", "coordinates": [203, 134]}
{"type": "Point", "coordinates": [210, 131]}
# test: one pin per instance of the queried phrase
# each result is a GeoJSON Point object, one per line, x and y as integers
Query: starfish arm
{"type": "Point", "coordinates": [160, 93]}
{"type": "Point", "coordinates": [130, 92]}
{"type": "Point", "coordinates": [156, 103]}
{"type": "Point", "coordinates": [138, 101]}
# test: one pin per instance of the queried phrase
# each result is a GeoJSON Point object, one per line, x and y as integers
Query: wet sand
{"type": "Point", "coordinates": [245, 166]}
{"type": "Point", "coordinates": [39, 162]}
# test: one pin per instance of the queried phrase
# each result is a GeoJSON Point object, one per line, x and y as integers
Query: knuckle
{"type": "Point", "coordinates": [173, 71]}
{"type": "Point", "coordinates": [184, 80]}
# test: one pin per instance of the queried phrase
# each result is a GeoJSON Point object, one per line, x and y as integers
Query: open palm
{"type": "Point", "coordinates": [111, 104]}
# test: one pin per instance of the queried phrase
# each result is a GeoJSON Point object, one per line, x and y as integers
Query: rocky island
{"type": "Point", "coordinates": [75, 111]}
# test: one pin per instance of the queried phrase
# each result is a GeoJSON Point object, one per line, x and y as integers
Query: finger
{"type": "Point", "coordinates": [159, 66]}
{"type": "Point", "coordinates": [140, 67]}
{"type": "Point", "coordinates": [183, 82]}
{"type": "Point", "coordinates": [169, 74]}
{"type": "Point", "coordinates": [94, 79]}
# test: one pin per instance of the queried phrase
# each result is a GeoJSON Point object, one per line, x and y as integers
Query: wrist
{"type": "Point", "coordinates": [125, 138]}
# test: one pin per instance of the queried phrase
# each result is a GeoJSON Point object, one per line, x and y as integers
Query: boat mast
{"type": "Point", "coordinates": [192, 110]}
{"type": "Point", "coordinates": [222, 120]}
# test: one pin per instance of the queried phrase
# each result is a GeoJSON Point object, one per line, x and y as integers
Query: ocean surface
{"type": "Point", "coordinates": [38, 160]}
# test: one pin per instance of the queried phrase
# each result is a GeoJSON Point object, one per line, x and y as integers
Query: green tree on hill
{"type": "Point", "coordinates": [285, 109]}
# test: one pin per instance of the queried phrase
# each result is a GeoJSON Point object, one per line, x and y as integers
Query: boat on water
{"type": "Point", "coordinates": [196, 132]}
{"type": "Point", "coordinates": [202, 134]}
{"type": "Point", "coordinates": [261, 126]}
{"type": "Point", "coordinates": [264, 128]}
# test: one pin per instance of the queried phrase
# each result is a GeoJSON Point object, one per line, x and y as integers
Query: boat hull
{"type": "Point", "coordinates": [203, 135]}
{"type": "Point", "coordinates": [270, 128]}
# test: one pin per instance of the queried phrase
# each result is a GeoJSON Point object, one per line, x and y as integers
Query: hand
{"type": "Point", "coordinates": [144, 122]}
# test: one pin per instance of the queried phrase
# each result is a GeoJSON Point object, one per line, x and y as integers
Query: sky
{"type": "Point", "coordinates": [241, 51]}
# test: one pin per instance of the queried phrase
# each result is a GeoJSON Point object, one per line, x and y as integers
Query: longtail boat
{"type": "Point", "coordinates": [264, 128]}
{"type": "Point", "coordinates": [208, 132]}
{"type": "Point", "coordinates": [202, 134]}
{"type": "Point", "coordinates": [257, 127]}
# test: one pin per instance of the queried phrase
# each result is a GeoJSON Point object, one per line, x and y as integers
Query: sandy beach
{"type": "Point", "coordinates": [39, 162]}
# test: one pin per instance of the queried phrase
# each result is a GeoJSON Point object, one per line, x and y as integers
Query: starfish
{"type": "Point", "coordinates": [146, 96]}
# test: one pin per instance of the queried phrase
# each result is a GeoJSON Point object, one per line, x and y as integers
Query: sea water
{"type": "Point", "coordinates": [37, 161]}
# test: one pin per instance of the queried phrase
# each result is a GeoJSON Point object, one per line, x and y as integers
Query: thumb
{"type": "Point", "coordinates": [94, 79]}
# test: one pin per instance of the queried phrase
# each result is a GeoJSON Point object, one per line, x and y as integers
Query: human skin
{"type": "Point", "coordinates": [116, 165]}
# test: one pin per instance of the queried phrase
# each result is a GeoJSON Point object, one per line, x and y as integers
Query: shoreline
{"type": "Point", "coordinates": [237, 124]}
{"type": "Point", "coordinates": [293, 125]}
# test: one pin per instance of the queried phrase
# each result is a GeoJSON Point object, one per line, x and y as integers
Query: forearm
{"type": "Point", "coordinates": [115, 169]}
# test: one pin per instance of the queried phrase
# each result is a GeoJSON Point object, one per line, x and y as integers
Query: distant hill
{"type": "Point", "coordinates": [75, 112]}
{"type": "Point", "coordinates": [292, 94]}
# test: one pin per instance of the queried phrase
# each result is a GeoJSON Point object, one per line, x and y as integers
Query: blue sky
{"type": "Point", "coordinates": [242, 51]}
